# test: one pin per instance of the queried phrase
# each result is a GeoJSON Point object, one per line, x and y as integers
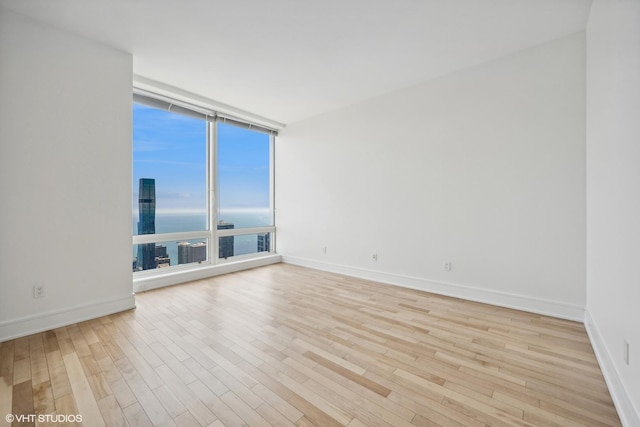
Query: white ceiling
{"type": "Point", "coordinates": [292, 59]}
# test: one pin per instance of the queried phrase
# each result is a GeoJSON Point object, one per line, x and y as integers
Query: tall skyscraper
{"type": "Point", "coordinates": [264, 242]}
{"type": "Point", "coordinates": [225, 248]}
{"type": "Point", "coordinates": [147, 222]}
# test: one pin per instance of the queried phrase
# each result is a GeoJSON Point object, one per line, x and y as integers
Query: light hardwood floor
{"type": "Point", "coordinates": [283, 345]}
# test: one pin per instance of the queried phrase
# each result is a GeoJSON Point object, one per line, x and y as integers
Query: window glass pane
{"type": "Point", "coordinates": [171, 188]}
{"type": "Point", "coordinates": [244, 178]}
{"type": "Point", "coordinates": [169, 172]}
{"type": "Point", "coordinates": [149, 256]}
{"type": "Point", "coordinates": [244, 244]}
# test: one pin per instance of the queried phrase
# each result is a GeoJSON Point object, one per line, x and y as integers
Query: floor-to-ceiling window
{"type": "Point", "coordinates": [244, 190]}
{"type": "Point", "coordinates": [202, 186]}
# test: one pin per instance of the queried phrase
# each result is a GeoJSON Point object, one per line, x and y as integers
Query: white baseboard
{"type": "Point", "coordinates": [28, 325]}
{"type": "Point", "coordinates": [629, 415]}
{"type": "Point", "coordinates": [503, 299]}
{"type": "Point", "coordinates": [146, 283]}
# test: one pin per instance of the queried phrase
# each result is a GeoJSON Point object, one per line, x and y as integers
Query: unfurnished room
{"type": "Point", "coordinates": [337, 213]}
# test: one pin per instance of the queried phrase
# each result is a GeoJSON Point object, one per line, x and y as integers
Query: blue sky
{"type": "Point", "coordinates": [172, 149]}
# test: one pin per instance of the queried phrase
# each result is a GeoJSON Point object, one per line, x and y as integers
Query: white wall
{"type": "Point", "coordinates": [484, 168]}
{"type": "Point", "coordinates": [613, 196]}
{"type": "Point", "coordinates": [65, 177]}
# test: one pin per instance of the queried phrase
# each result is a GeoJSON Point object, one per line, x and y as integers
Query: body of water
{"type": "Point", "coordinates": [197, 221]}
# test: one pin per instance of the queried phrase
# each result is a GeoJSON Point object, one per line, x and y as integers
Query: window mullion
{"type": "Point", "coordinates": [272, 189]}
{"type": "Point", "coordinates": [212, 146]}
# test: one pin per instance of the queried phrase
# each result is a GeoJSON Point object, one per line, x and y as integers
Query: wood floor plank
{"type": "Point", "coordinates": [434, 413]}
{"type": "Point", "coordinates": [307, 397]}
{"type": "Point", "coordinates": [21, 348]}
{"type": "Point", "coordinates": [21, 371]}
{"type": "Point", "coordinates": [359, 379]}
{"type": "Point", "coordinates": [99, 386]}
{"type": "Point", "coordinates": [244, 411]}
{"type": "Point", "coordinates": [79, 342]}
{"type": "Point", "coordinates": [64, 341]}
{"type": "Point", "coordinates": [315, 415]}
{"type": "Point", "coordinates": [122, 392]}
{"type": "Point", "coordinates": [174, 364]}
{"type": "Point", "coordinates": [203, 375]}
{"type": "Point", "coordinates": [286, 345]}
{"type": "Point", "coordinates": [169, 401]}
{"type": "Point", "coordinates": [66, 405]}
{"type": "Point", "coordinates": [351, 398]}
{"type": "Point", "coordinates": [58, 374]}
{"type": "Point", "coordinates": [277, 403]}
{"type": "Point", "coordinates": [218, 409]}
{"type": "Point", "coordinates": [273, 416]}
{"type": "Point", "coordinates": [233, 383]}
{"type": "Point", "coordinates": [136, 417]}
{"type": "Point", "coordinates": [43, 400]}
{"type": "Point", "coordinates": [83, 396]}
{"type": "Point", "coordinates": [6, 395]}
{"type": "Point", "coordinates": [23, 402]}
{"type": "Point", "coordinates": [112, 412]}
{"type": "Point", "coordinates": [362, 409]}
{"type": "Point", "coordinates": [195, 402]}
{"type": "Point", "coordinates": [109, 369]}
{"type": "Point", "coordinates": [50, 342]}
{"type": "Point", "coordinates": [187, 420]}
{"type": "Point", "coordinates": [145, 370]}
{"type": "Point", "coordinates": [39, 369]}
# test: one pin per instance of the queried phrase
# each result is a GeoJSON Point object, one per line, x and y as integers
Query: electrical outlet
{"type": "Point", "coordinates": [38, 291]}
{"type": "Point", "coordinates": [374, 257]}
{"type": "Point", "coordinates": [625, 353]}
{"type": "Point", "coordinates": [447, 266]}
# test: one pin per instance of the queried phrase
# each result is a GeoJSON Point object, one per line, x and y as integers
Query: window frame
{"type": "Point", "coordinates": [212, 235]}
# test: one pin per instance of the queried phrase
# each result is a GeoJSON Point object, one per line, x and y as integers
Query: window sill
{"type": "Point", "coordinates": [151, 281]}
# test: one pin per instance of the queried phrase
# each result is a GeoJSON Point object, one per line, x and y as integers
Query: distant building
{"type": "Point", "coordinates": [162, 258]}
{"type": "Point", "coordinates": [191, 252]}
{"type": "Point", "coordinates": [146, 222]}
{"type": "Point", "coordinates": [183, 252]}
{"type": "Point", "coordinates": [264, 242]}
{"type": "Point", "coordinates": [161, 251]}
{"type": "Point", "coordinates": [225, 248]}
{"type": "Point", "coordinates": [198, 252]}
